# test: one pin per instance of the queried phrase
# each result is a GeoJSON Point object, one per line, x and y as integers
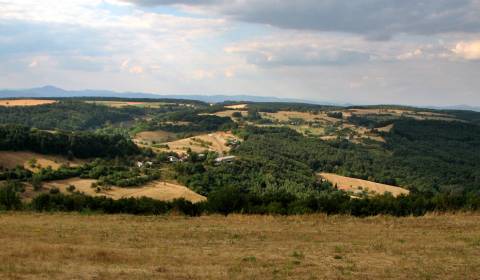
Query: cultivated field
{"type": "Point", "coordinates": [353, 185]}
{"type": "Point", "coordinates": [9, 159]}
{"type": "Point", "coordinates": [24, 102]}
{"type": "Point", "coordinates": [157, 190]}
{"type": "Point", "coordinates": [74, 246]}
{"type": "Point", "coordinates": [216, 141]}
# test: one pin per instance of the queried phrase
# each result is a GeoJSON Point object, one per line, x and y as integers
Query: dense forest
{"type": "Point", "coordinates": [72, 144]}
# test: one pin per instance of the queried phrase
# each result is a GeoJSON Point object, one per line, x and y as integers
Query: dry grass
{"type": "Point", "coordinates": [237, 107]}
{"type": "Point", "coordinates": [159, 190]}
{"type": "Point", "coordinates": [229, 113]}
{"type": "Point", "coordinates": [121, 104]}
{"type": "Point", "coordinates": [216, 141]}
{"type": "Point", "coordinates": [73, 246]}
{"type": "Point", "coordinates": [9, 159]}
{"type": "Point", "coordinates": [285, 116]}
{"type": "Point", "coordinates": [25, 102]}
{"type": "Point", "coordinates": [352, 184]}
{"type": "Point", "coordinates": [158, 136]}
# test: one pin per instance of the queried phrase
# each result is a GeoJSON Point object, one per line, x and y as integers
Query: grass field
{"type": "Point", "coordinates": [74, 246]}
{"type": "Point", "coordinates": [10, 159]}
{"type": "Point", "coordinates": [351, 185]}
{"type": "Point", "coordinates": [216, 141]}
{"type": "Point", "coordinates": [24, 102]}
{"type": "Point", "coordinates": [159, 190]}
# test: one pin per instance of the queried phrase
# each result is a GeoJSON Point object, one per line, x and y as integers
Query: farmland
{"type": "Point", "coordinates": [25, 102]}
{"type": "Point", "coordinates": [75, 246]}
{"type": "Point", "coordinates": [121, 104]}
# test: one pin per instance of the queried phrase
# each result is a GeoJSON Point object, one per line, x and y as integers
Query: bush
{"type": "Point", "coordinates": [9, 198]}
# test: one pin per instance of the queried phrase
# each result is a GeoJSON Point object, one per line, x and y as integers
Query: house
{"type": "Point", "coordinates": [172, 159]}
{"type": "Point", "coordinates": [139, 164]}
{"type": "Point", "coordinates": [226, 159]}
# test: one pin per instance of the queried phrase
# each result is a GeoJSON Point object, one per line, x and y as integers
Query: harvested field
{"type": "Point", "coordinates": [351, 185]}
{"type": "Point", "coordinates": [216, 141]}
{"type": "Point", "coordinates": [79, 246]}
{"type": "Point", "coordinates": [11, 159]}
{"type": "Point", "coordinates": [157, 190]}
{"type": "Point", "coordinates": [25, 102]}
{"type": "Point", "coordinates": [237, 107]}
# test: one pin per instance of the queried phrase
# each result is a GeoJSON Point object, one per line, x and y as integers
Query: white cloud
{"type": "Point", "coordinates": [468, 50]}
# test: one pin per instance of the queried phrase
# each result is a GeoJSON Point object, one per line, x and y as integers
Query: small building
{"type": "Point", "coordinates": [172, 159]}
{"type": "Point", "coordinates": [139, 164]}
{"type": "Point", "coordinates": [226, 159]}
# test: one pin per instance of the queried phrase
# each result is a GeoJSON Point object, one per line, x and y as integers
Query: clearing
{"type": "Point", "coordinates": [287, 116]}
{"type": "Point", "coordinates": [80, 246]}
{"type": "Point", "coordinates": [154, 137]}
{"type": "Point", "coordinates": [217, 142]}
{"type": "Point", "coordinates": [25, 102]}
{"type": "Point", "coordinates": [34, 161]}
{"type": "Point", "coordinates": [357, 185]}
{"type": "Point", "coordinates": [159, 190]}
{"type": "Point", "coordinates": [237, 106]}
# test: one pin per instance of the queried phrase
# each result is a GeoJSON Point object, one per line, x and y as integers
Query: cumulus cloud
{"type": "Point", "coordinates": [468, 50]}
{"type": "Point", "coordinates": [375, 19]}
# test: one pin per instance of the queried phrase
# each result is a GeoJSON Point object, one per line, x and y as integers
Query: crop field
{"type": "Point", "coordinates": [159, 190]}
{"type": "Point", "coordinates": [76, 246]}
{"type": "Point", "coordinates": [24, 102]}
{"type": "Point", "coordinates": [351, 185]}
{"type": "Point", "coordinates": [33, 161]}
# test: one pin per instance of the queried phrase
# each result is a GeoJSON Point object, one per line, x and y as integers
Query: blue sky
{"type": "Point", "coordinates": [416, 52]}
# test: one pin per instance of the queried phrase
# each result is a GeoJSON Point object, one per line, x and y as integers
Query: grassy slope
{"type": "Point", "coordinates": [72, 246]}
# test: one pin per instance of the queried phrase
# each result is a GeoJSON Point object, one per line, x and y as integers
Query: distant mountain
{"type": "Point", "coordinates": [52, 91]}
{"type": "Point", "coordinates": [459, 107]}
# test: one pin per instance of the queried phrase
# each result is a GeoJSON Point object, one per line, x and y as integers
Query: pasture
{"type": "Point", "coordinates": [34, 161]}
{"type": "Point", "coordinates": [83, 246]}
{"type": "Point", "coordinates": [353, 185]}
{"type": "Point", "coordinates": [159, 190]}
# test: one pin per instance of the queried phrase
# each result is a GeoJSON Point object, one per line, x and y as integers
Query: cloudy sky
{"type": "Point", "coordinates": [418, 52]}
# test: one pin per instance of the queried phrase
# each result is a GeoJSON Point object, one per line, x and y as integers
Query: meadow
{"type": "Point", "coordinates": [83, 246]}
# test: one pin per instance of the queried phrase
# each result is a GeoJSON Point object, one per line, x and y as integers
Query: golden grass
{"type": "Point", "coordinates": [352, 184]}
{"type": "Point", "coordinates": [25, 102]}
{"type": "Point", "coordinates": [228, 113]}
{"type": "Point", "coordinates": [74, 246]}
{"type": "Point", "coordinates": [284, 116]}
{"type": "Point", "coordinates": [10, 159]}
{"type": "Point", "coordinates": [159, 190]}
{"type": "Point", "coordinates": [121, 104]}
{"type": "Point", "coordinates": [216, 141]}
{"type": "Point", "coordinates": [237, 107]}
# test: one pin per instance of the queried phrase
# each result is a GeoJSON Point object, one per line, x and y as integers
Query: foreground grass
{"type": "Point", "coordinates": [74, 246]}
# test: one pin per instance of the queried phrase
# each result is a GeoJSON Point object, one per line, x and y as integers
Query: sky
{"type": "Point", "coordinates": [412, 52]}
